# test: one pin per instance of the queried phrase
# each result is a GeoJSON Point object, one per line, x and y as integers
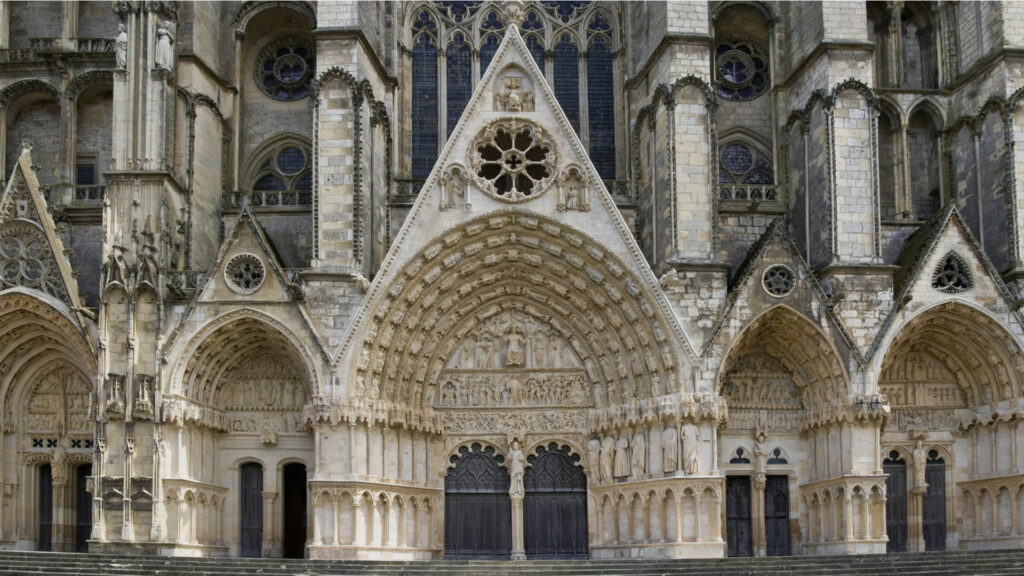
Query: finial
{"type": "Point", "coordinates": [513, 12]}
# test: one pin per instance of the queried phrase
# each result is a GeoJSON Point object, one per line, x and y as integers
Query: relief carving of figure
{"type": "Point", "coordinates": [639, 454]}
{"type": "Point", "coordinates": [453, 190]}
{"type": "Point", "coordinates": [760, 458]}
{"type": "Point", "coordinates": [594, 457]}
{"type": "Point", "coordinates": [514, 391]}
{"type": "Point", "coordinates": [607, 456]}
{"type": "Point", "coordinates": [670, 449]}
{"type": "Point", "coordinates": [691, 450]}
{"type": "Point", "coordinates": [164, 49]}
{"type": "Point", "coordinates": [622, 457]}
{"type": "Point", "coordinates": [540, 351]}
{"type": "Point", "coordinates": [514, 340]}
{"type": "Point", "coordinates": [516, 469]}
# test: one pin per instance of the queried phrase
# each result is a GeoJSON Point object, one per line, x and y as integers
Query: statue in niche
{"type": "Point", "coordinates": [164, 50]}
{"type": "Point", "coordinates": [514, 341]}
{"type": "Point", "coordinates": [454, 189]}
{"type": "Point", "coordinates": [572, 193]}
{"type": "Point", "coordinates": [607, 456]}
{"type": "Point", "coordinates": [639, 454]}
{"type": "Point", "coordinates": [516, 469]}
{"type": "Point", "coordinates": [670, 449]}
{"type": "Point", "coordinates": [920, 466]}
{"type": "Point", "coordinates": [58, 469]}
{"type": "Point", "coordinates": [121, 47]}
{"type": "Point", "coordinates": [622, 457]}
{"type": "Point", "coordinates": [691, 449]}
{"type": "Point", "coordinates": [512, 98]}
{"type": "Point", "coordinates": [144, 401]}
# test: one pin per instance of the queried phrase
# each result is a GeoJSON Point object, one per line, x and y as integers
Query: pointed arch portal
{"type": "Point", "coordinates": [555, 506]}
{"type": "Point", "coordinates": [477, 508]}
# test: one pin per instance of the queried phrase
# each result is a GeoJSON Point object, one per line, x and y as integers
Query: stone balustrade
{"type": "Point", "coordinates": [845, 515]}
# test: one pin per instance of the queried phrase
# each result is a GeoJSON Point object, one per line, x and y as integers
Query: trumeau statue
{"type": "Point", "coordinates": [516, 469]}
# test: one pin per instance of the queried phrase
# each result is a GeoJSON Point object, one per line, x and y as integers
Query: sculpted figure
{"type": "Point", "coordinates": [670, 449]}
{"type": "Point", "coordinates": [607, 454]}
{"type": "Point", "coordinates": [515, 391]}
{"type": "Point", "coordinates": [594, 456]}
{"type": "Point", "coordinates": [514, 338]}
{"type": "Point", "coordinates": [622, 457]}
{"type": "Point", "coordinates": [639, 454]}
{"type": "Point", "coordinates": [540, 351]}
{"type": "Point", "coordinates": [516, 469]}
{"type": "Point", "coordinates": [691, 451]}
{"type": "Point", "coordinates": [121, 47]}
{"type": "Point", "coordinates": [760, 457]}
{"type": "Point", "coordinates": [164, 50]}
{"type": "Point", "coordinates": [58, 471]}
{"type": "Point", "coordinates": [920, 465]}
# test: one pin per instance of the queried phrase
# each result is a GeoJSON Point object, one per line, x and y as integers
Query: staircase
{"type": "Point", "coordinates": [1001, 562]}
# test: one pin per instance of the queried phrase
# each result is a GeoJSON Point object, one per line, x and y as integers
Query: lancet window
{"type": "Point", "coordinates": [452, 43]}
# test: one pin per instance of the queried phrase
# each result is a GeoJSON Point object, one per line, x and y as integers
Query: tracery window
{"type": "Point", "coordinates": [285, 68]}
{"type": "Point", "coordinates": [284, 177]}
{"type": "Point", "coordinates": [452, 43]}
{"type": "Point", "coordinates": [741, 69]}
{"type": "Point", "coordinates": [952, 275]}
{"type": "Point", "coordinates": [745, 173]}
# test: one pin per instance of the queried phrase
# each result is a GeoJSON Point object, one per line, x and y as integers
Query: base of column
{"type": "Point", "coordinates": [517, 556]}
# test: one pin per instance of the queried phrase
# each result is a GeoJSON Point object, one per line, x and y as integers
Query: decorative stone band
{"type": "Point", "coordinates": [379, 412]}
{"type": "Point", "coordinates": [686, 406]}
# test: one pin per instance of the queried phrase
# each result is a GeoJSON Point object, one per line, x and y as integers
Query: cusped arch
{"type": "Point", "coordinates": [232, 339]}
{"type": "Point", "coordinates": [521, 263]}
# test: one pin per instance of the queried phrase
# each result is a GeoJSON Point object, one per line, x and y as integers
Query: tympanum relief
{"type": "Point", "coordinates": [512, 361]}
{"type": "Point", "coordinates": [59, 404]}
{"type": "Point", "coordinates": [265, 397]}
{"type": "Point", "coordinates": [515, 94]}
{"type": "Point", "coordinates": [922, 391]}
{"type": "Point", "coordinates": [762, 394]}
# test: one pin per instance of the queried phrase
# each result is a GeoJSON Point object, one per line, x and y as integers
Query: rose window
{"type": "Point", "coordinates": [25, 261]}
{"type": "Point", "coordinates": [244, 273]}
{"type": "Point", "coordinates": [513, 160]}
{"type": "Point", "coordinates": [952, 275]}
{"type": "Point", "coordinates": [778, 280]}
{"type": "Point", "coordinates": [741, 70]}
{"type": "Point", "coordinates": [284, 69]}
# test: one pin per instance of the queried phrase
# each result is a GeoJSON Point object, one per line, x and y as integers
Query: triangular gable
{"type": "Point", "coordinates": [27, 231]}
{"type": "Point", "coordinates": [247, 238]}
{"type": "Point", "coordinates": [513, 92]}
{"type": "Point", "coordinates": [249, 253]}
{"type": "Point", "coordinates": [749, 296]}
{"type": "Point", "coordinates": [944, 234]}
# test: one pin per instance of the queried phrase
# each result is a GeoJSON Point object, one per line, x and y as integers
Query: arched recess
{"type": "Point", "coordinates": [47, 372]}
{"type": "Point", "coordinates": [782, 376]}
{"type": "Point", "coordinates": [890, 160]}
{"type": "Point", "coordinates": [924, 130]}
{"type": "Point", "coordinates": [483, 294]}
{"type": "Point", "coordinates": [32, 109]}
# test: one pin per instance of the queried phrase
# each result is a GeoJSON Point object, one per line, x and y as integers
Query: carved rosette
{"type": "Point", "coordinates": [513, 160]}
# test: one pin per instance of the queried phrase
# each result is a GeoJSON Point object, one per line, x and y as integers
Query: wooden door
{"type": "Point", "coordinates": [294, 544]}
{"type": "Point", "coordinates": [776, 515]}
{"type": "Point", "coordinates": [477, 509]}
{"type": "Point", "coordinates": [737, 515]}
{"type": "Point", "coordinates": [896, 502]}
{"type": "Point", "coordinates": [934, 503]}
{"type": "Point", "coordinates": [45, 509]}
{"type": "Point", "coordinates": [251, 505]}
{"type": "Point", "coordinates": [83, 508]}
{"type": "Point", "coordinates": [555, 506]}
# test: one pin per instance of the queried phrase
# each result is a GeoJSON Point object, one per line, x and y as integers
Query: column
{"type": "Point", "coordinates": [268, 523]}
{"type": "Point", "coordinates": [679, 517]}
{"type": "Point", "coordinates": [848, 513]}
{"type": "Point", "coordinates": [757, 516]}
{"type": "Point", "coordinates": [915, 506]}
{"type": "Point", "coordinates": [518, 548]}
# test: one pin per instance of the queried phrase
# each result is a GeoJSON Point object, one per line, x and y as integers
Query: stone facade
{"type": "Point", "coordinates": [782, 316]}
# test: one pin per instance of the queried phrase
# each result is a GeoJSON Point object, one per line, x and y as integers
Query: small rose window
{"type": "Point", "coordinates": [244, 273]}
{"type": "Point", "coordinates": [513, 159]}
{"type": "Point", "coordinates": [284, 69]}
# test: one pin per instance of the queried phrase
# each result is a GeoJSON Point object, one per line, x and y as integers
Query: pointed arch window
{"type": "Point", "coordinates": [745, 173]}
{"type": "Point", "coordinates": [284, 177]}
{"type": "Point", "coordinates": [579, 60]}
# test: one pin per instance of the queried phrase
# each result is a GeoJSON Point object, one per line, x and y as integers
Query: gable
{"type": "Point", "coordinates": [33, 253]}
{"type": "Point", "coordinates": [247, 268]}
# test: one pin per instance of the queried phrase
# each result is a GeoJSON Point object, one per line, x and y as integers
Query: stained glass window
{"type": "Point", "coordinates": [460, 81]}
{"type": "Point", "coordinates": [567, 79]}
{"type": "Point", "coordinates": [424, 96]}
{"type": "Point", "coordinates": [742, 164]}
{"type": "Point", "coordinates": [601, 98]}
{"type": "Point", "coordinates": [741, 70]}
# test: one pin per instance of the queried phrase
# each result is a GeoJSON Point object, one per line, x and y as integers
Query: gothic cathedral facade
{"type": "Point", "coordinates": [511, 280]}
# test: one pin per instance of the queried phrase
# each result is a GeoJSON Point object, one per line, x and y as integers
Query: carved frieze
{"type": "Point", "coordinates": [507, 422]}
{"type": "Point", "coordinates": [58, 404]}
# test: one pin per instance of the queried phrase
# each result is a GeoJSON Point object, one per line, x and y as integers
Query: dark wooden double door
{"type": "Point", "coordinates": [933, 503]}
{"type": "Point", "coordinates": [478, 510]}
{"type": "Point", "coordinates": [83, 508]}
{"type": "Point", "coordinates": [251, 504]}
{"type": "Point", "coordinates": [738, 520]}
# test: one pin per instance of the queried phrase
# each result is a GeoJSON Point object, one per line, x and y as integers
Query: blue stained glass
{"type": "Point", "coordinates": [269, 182]}
{"type": "Point", "coordinates": [567, 75]}
{"type": "Point", "coordinates": [492, 23]}
{"type": "Point", "coordinates": [599, 23]}
{"type": "Point", "coordinates": [460, 82]}
{"type": "Point", "coordinates": [424, 23]}
{"type": "Point", "coordinates": [424, 106]}
{"type": "Point", "coordinates": [487, 50]}
{"type": "Point", "coordinates": [532, 22]}
{"type": "Point", "coordinates": [535, 44]}
{"type": "Point", "coordinates": [291, 160]}
{"type": "Point", "coordinates": [564, 9]}
{"type": "Point", "coordinates": [305, 182]}
{"type": "Point", "coordinates": [601, 107]}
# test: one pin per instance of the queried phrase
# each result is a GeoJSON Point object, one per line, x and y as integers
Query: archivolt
{"type": "Point", "coordinates": [984, 356]}
{"type": "Point", "coordinates": [522, 262]}
{"type": "Point", "coordinates": [801, 347]}
{"type": "Point", "coordinates": [34, 336]}
{"type": "Point", "coordinates": [228, 347]}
